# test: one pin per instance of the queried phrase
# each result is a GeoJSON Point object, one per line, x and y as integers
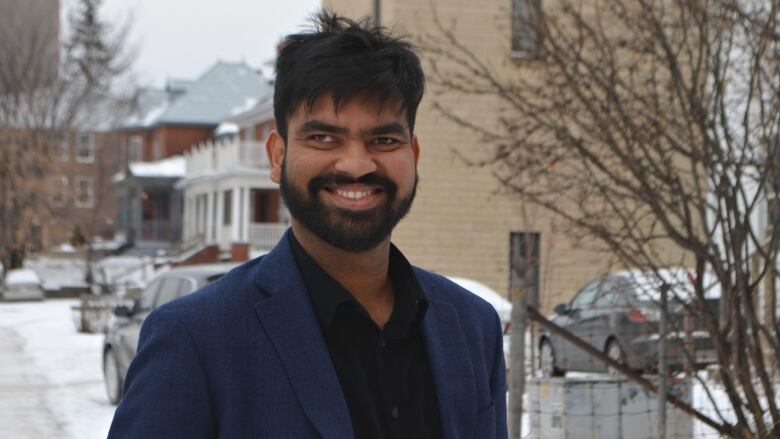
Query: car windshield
{"type": "Point", "coordinates": [586, 295]}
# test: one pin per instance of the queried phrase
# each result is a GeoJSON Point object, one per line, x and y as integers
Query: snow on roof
{"type": "Point", "coordinates": [226, 128]}
{"type": "Point", "coordinates": [175, 166]}
{"type": "Point", "coordinates": [21, 276]}
{"type": "Point", "coordinates": [502, 306]}
{"type": "Point", "coordinates": [248, 104]}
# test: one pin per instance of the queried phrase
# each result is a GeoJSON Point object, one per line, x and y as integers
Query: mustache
{"type": "Point", "coordinates": [336, 179]}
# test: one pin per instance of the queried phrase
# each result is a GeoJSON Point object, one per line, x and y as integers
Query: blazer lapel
{"type": "Point", "coordinates": [289, 321]}
{"type": "Point", "coordinates": [453, 373]}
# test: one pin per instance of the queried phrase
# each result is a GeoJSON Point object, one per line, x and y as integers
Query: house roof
{"type": "Point", "coordinates": [171, 167]}
{"type": "Point", "coordinates": [256, 111]}
{"type": "Point", "coordinates": [208, 100]}
{"type": "Point", "coordinates": [175, 166]}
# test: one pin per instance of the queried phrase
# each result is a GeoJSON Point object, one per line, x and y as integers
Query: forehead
{"type": "Point", "coordinates": [364, 108]}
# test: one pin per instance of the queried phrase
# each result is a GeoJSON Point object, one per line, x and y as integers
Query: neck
{"type": "Point", "coordinates": [364, 274]}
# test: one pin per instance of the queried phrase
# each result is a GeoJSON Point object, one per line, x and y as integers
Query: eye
{"type": "Point", "coordinates": [322, 138]}
{"type": "Point", "coordinates": [386, 143]}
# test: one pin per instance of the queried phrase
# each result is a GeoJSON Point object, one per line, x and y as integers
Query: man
{"type": "Point", "coordinates": [333, 334]}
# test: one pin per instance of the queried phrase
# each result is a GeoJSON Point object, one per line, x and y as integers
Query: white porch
{"type": "Point", "coordinates": [230, 198]}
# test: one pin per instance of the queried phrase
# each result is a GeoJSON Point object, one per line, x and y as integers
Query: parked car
{"type": "Point", "coordinates": [121, 340]}
{"type": "Point", "coordinates": [21, 284]}
{"type": "Point", "coordinates": [619, 314]}
{"type": "Point", "coordinates": [503, 307]}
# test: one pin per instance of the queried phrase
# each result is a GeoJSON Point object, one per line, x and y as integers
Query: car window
{"type": "Point", "coordinates": [585, 297]}
{"type": "Point", "coordinates": [147, 297]}
{"type": "Point", "coordinates": [187, 286]}
{"type": "Point", "coordinates": [611, 293]}
{"type": "Point", "coordinates": [169, 290]}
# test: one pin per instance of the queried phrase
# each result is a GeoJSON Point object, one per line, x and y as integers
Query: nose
{"type": "Point", "coordinates": [355, 160]}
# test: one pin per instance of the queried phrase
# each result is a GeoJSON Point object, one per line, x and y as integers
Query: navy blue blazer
{"type": "Point", "coordinates": [244, 358]}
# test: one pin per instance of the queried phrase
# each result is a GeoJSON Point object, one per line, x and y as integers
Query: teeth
{"type": "Point", "coordinates": [353, 194]}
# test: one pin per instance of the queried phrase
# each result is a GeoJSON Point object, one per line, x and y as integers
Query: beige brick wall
{"type": "Point", "coordinates": [461, 222]}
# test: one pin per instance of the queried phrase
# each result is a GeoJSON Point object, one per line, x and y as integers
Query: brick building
{"type": "Point", "coordinates": [81, 199]}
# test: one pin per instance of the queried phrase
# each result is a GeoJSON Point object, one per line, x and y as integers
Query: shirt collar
{"type": "Point", "coordinates": [328, 295]}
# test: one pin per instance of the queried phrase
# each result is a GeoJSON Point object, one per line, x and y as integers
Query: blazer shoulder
{"type": "Point", "coordinates": [236, 289]}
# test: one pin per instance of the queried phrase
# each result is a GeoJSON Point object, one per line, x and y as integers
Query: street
{"type": "Point", "coordinates": [51, 382]}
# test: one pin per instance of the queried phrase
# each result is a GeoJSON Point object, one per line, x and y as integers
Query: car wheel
{"type": "Point", "coordinates": [547, 365]}
{"type": "Point", "coordinates": [111, 377]}
{"type": "Point", "coordinates": [615, 352]}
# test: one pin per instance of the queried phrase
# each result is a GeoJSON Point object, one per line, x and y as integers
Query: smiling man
{"type": "Point", "coordinates": [333, 334]}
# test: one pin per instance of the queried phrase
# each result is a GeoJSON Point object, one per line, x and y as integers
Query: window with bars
{"type": "Point", "coordinates": [84, 192]}
{"type": "Point", "coordinates": [526, 35]}
{"type": "Point", "coordinates": [135, 146]}
{"type": "Point", "coordinates": [62, 151]}
{"type": "Point", "coordinates": [58, 191]}
{"type": "Point", "coordinates": [85, 148]}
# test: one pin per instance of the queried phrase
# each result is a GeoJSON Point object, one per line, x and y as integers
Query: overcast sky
{"type": "Point", "coordinates": [182, 38]}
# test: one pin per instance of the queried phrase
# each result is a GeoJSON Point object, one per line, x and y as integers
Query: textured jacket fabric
{"type": "Point", "coordinates": [244, 357]}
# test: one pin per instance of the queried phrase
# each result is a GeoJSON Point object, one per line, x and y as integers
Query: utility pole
{"type": "Point", "coordinates": [377, 13]}
{"type": "Point", "coordinates": [662, 367]}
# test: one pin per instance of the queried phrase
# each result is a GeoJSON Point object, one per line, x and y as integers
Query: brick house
{"type": "Point", "coordinates": [80, 198]}
{"type": "Point", "coordinates": [169, 123]}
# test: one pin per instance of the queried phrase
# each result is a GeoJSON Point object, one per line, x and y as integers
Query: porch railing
{"type": "Point", "coordinates": [253, 154]}
{"type": "Point", "coordinates": [266, 235]}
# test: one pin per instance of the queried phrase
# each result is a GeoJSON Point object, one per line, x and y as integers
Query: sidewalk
{"type": "Point", "coordinates": [50, 376]}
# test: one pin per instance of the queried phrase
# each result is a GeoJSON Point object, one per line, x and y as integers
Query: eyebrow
{"type": "Point", "coordinates": [390, 128]}
{"type": "Point", "coordinates": [316, 125]}
{"type": "Point", "coordinates": [320, 126]}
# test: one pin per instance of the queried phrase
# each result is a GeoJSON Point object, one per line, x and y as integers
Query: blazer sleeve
{"type": "Point", "coordinates": [498, 383]}
{"type": "Point", "coordinates": [166, 391]}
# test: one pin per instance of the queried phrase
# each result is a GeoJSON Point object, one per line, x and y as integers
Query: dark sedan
{"type": "Point", "coordinates": [619, 314]}
{"type": "Point", "coordinates": [121, 338]}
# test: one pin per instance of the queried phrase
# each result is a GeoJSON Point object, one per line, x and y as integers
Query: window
{"type": "Point", "coordinates": [85, 149]}
{"type": "Point", "coordinates": [59, 190]}
{"type": "Point", "coordinates": [84, 192]}
{"type": "Point", "coordinates": [169, 290]}
{"type": "Point", "coordinates": [134, 148]}
{"type": "Point", "coordinates": [62, 151]}
{"type": "Point", "coordinates": [586, 295]}
{"type": "Point", "coordinates": [158, 150]}
{"type": "Point", "coordinates": [147, 297]}
{"type": "Point", "coordinates": [228, 208]}
{"type": "Point", "coordinates": [526, 36]}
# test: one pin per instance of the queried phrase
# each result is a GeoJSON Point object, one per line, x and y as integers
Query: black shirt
{"type": "Point", "coordinates": [384, 373]}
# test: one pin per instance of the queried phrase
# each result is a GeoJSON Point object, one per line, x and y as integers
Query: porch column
{"type": "Point", "coordinates": [246, 217]}
{"type": "Point", "coordinates": [220, 194]}
{"type": "Point", "coordinates": [235, 230]}
{"type": "Point", "coordinates": [209, 217]}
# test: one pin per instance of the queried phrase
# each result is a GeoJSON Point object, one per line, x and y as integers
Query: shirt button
{"type": "Point", "coordinates": [395, 413]}
{"type": "Point", "coordinates": [383, 343]}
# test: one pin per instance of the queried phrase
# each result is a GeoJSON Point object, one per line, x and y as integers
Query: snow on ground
{"type": "Point", "coordinates": [51, 381]}
{"type": "Point", "coordinates": [58, 272]}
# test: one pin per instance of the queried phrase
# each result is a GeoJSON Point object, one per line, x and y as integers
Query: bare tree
{"type": "Point", "coordinates": [651, 125]}
{"type": "Point", "coordinates": [46, 88]}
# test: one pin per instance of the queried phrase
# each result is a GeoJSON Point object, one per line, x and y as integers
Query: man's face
{"type": "Point", "coordinates": [348, 176]}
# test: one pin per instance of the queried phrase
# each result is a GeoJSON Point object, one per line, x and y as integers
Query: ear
{"type": "Point", "coordinates": [415, 149]}
{"type": "Point", "coordinates": [274, 149]}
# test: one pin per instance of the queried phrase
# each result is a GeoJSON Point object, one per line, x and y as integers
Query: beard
{"type": "Point", "coordinates": [353, 231]}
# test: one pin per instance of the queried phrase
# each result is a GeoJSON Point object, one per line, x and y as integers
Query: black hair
{"type": "Point", "coordinates": [345, 58]}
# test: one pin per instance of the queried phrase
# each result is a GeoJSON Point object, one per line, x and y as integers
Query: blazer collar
{"type": "Point", "coordinates": [288, 319]}
{"type": "Point", "coordinates": [451, 363]}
